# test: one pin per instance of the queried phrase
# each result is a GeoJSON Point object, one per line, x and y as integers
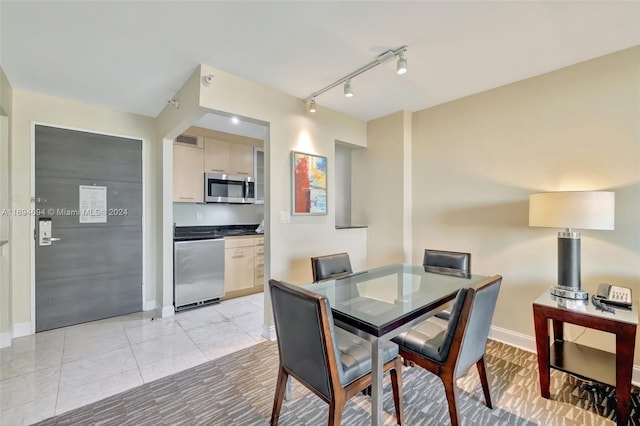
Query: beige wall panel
{"type": "Point", "coordinates": [476, 160]}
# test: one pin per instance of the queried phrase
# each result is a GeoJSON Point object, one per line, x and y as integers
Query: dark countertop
{"type": "Point", "coordinates": [190, 233]}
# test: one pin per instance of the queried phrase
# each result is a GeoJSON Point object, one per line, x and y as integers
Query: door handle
{"type": "Point", "coordinates": [54, 239]}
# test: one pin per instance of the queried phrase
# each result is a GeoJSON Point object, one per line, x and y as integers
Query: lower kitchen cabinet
{"type": "Point", "coordinates": [243, 266]}
{"type": "Point", "coordinates": [259, 262]}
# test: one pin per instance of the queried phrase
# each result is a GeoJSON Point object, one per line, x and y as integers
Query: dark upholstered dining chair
{"type": "Point", "coordinates": [450, 349]}
{"type": "Point", "coordinates": [447, 262]}
{"type": "Point", "coordinates": [331, 362]}
{"type": "Point", "coordinates": [330, 266]}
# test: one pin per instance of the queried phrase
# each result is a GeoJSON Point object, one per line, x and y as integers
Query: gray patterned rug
{"type": "Point", "coordinates": [238, 390]}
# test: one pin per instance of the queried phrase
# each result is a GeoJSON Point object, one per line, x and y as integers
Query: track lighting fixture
{"type": "Point", "coordinates": [402, 64]}
{"type": "Point", "coordinates": [348, 91]}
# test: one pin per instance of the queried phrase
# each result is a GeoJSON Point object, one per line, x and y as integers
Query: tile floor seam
{"type": "Point", "coordinates": [64, 341]}
{"type": "Point", "coordinates": [132, 352]}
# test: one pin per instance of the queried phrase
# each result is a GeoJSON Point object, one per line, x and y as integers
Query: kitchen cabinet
{"type": "Point", "coordinates": [258, 262]}
{"type": "Point", "coordinates": [216, 156]}
{"type": "Point", "coordinates": [188, 174]}
{"type": "Point", "coordinates": [228, 157]}
{"type": "Point", "coordinates": [258, 173]}
{"type": "Point", "coordinates": [244, 266]}
{"type": "Point", "coordinates": [240, 159]}
{"type": "Point", "coordinates": [238, 264]}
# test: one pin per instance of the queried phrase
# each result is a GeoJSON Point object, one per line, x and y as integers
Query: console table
{"type": "Point", "coordinates": [587, 363]}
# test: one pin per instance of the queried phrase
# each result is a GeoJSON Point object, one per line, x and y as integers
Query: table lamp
{"type": "Point", "coordinates": [571, 210]}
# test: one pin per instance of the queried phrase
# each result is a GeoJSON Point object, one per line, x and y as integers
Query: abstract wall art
{"type": "Point", "coordinates": [309, 176]}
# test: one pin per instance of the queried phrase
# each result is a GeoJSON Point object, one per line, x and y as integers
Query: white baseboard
{"type": "Point", "coordinates": [269, 331]}
{"type": "Point", "coordinates": [168, 311]}
{"type": "Point", "coordinates": [151, 305]}
{"type": "Point", "coordinates": [512, 338]}
{"type": "Point", "coordinates": [20, 329]}
{"type": "Point", "coordinates": [5, 339]}
{"type": "Point", "coordinates": [528, 343]}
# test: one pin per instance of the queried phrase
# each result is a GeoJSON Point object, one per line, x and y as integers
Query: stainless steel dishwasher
{"type": "Point", "coordinates": [198, 273]}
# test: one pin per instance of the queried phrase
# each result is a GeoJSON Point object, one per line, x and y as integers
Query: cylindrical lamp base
{"type": "Point", "coordinates": [569, 260]}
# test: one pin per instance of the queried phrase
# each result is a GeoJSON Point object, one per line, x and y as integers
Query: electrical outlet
{"type": "Point", "coordinates": [285, 217]}
{"type": "Point", "coordinates": [198, 216]}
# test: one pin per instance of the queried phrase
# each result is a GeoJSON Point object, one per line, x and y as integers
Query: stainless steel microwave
{"type": "Point", "coordinates": [223, 188]}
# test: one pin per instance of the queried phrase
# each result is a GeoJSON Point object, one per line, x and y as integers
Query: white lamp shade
{"type": "Point", "coordinates": [573, 209]}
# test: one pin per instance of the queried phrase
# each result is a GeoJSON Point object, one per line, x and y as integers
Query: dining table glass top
{"type": "Point", "coordinates": [380, 299]}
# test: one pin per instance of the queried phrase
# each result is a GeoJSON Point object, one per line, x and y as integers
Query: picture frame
{"type": "Point", "coordinates": [309, 184]}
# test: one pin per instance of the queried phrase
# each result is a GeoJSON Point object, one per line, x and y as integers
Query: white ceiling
{"type": "Point", "coordinates": [134, 56]}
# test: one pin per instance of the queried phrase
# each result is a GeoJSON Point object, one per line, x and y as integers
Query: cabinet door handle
{"type": "Point", "coordinates": [216, 170]}
{"type": "Point", "coordinates": [240, 256]}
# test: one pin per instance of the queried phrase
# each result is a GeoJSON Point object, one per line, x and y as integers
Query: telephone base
{"type": "Point", "coordinates": [569, 293]}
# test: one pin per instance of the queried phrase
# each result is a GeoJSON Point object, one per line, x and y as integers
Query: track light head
{"type": "Point", "coordinates": [312, 105]}
{"type": "Point", "coordinates": [402, 64]}
{"type": "Point", "coordinates": [348, 92]}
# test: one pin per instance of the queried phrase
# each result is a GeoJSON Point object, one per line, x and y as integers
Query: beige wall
{"type": "Point", "coordinates": [288, 245]}
{"type": "Point", "coordinates": [379, 199]}
{"type": "Point", "coordinates": [476, 160]}
{"type": "Point", "coordinates": [5, 264]}
{"type": "Point", "coordinates": [31, 107]}
{"type": "Point", "coordinates": [291, 127]}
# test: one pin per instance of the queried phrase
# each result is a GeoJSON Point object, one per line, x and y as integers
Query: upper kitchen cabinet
{"type": "Point", "coordinates": [258, 173]}
{"type": "Point", "coordinates": [188, 174]}
{"type": "Point", "coordinates": [228, 157]}
{"type": "Point", "coordinates": [240, 159]}
{"type": "Point", "coordinates": [216, 156]}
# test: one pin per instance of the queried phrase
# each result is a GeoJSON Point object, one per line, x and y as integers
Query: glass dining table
{"type": "Point", "coordinates": [380, 303]}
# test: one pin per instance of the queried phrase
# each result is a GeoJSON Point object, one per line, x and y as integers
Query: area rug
{"type": "Point", "coordinates": [238, 390]}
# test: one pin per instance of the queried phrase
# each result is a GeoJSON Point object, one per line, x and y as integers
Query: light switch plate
{"type": "Point", "coordinates": [198, 216]}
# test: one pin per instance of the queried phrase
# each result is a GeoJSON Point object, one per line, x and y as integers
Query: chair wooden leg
{"type": "Point", "coordinates": [281, 385]}
{"type": "Point", "coordinates": [396, 384]}
{"type": "Point", "coordinates": [336, 406]}
{"type": "Point", "coordinates": [450, 390]}
{"type": "Point", "coordinates": [482, 371]}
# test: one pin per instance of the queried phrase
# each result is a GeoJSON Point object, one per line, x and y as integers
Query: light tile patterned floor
{"type": "Point", "coordinates": [56, 371]}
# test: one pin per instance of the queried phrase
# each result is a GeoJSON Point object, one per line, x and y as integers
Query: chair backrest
{"type": "Point", "coordinates": [447, 262]}
{"type": "Point", "coordinates": [468, 328]}
{"type": "Point", "coordinates": [306, 340]}
{"type": "Point", "coordinates": [330, 266]}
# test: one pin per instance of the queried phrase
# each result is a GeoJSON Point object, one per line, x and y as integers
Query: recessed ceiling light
{"type": "Point", "coordinates": [235, 120]}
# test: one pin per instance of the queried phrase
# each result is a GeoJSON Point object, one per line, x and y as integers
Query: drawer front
{"type": "Point", "coordinates": [259, 275]}
{"type": "Point", "coordinates": [231, 242]}
{"type": "Point", "coordinates": [259, 241]}
{"type": "Point", "coordinates": [259, 250]}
